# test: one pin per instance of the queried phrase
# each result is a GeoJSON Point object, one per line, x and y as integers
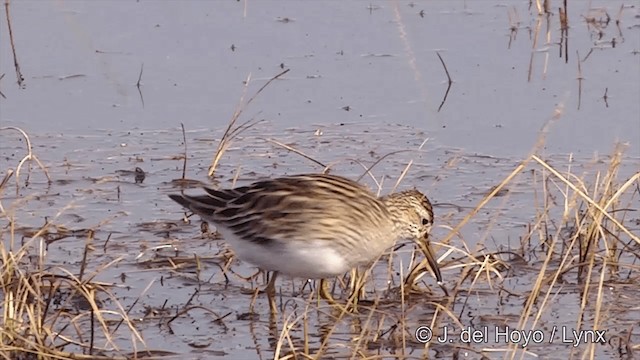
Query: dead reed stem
{"type": "Point", "coordinates": [232, 131]}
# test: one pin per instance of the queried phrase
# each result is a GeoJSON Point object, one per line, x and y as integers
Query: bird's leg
{"type": "Point", "coordinates": [270, 290]}
{"type": "Point", "coordinates": [271, 293]}
{"type": "Point", "coordinates": [326, 295]}
{"type": "Point", "coordinates": [253, 300]}
{"type": "Point", "coordinates": [324, 292]}
{"type": "Point", "coordinates": [354, 284]}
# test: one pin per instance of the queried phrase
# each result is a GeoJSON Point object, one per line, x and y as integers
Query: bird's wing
{"type": "Point", "coordinates": [295, 207]}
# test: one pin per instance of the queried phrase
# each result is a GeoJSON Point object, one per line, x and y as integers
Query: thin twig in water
{"type": "Point", "coordinates": [13, 46]}
{"type": "Point", "coordinates": [588, 54]}
{"type": "Point", "coordinates": [87, 247]}
{"type": "Point", "coordinates": [357, 161]}
{"type": "Point", "coordinates": [449, 81]}
{"type": "Point", "coordinates": [406, 168]}
{"type": "Point", "coordinates": [30, 156]}
{"type": "Point", "coordinates": [4, 182]}
{"type": "Point", "coordinates": [134, 303]}
{"type": "Point", "coordinates": [140, 75]}
{"type": "Point", "coordinates": [224, 141]}
{"type": "Point", "coordinates": [285, 146]}
{"type": "Point", "coordinates": [6, 178]}
{"type": "Point", "coordinates": [1, 94]}
{"type": "Point", "coordinates": [367, 171]}
{"type": "Point", "coordinates": [138, 84]}
{"type": "Point", "coordinates": [534, 45]}
{"type": "Point", "coordinates": [580, 78]}
{"type": "Point", "coordinates": [184, 163]}
{"type": "Point", "coordinates": [236, 176]}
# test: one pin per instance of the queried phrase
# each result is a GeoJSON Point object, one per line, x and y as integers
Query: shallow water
{"type": "Point", "coordinates": [364, 81]}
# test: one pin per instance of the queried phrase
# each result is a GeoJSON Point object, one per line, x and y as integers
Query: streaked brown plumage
{"type": "Point", "coordinates": [313, 226]}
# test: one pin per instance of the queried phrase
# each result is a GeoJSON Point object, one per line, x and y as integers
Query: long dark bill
{"type": "Point", "coordinates": [425, 245]}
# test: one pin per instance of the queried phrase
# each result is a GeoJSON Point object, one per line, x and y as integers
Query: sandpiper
{"type": "Point", "coordinates": [313, 226]}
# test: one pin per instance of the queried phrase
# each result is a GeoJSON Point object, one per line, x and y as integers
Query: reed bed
{"type": "Point", "coordinates": [580, 245]}
{"type": "Point", "coordinates": [53, 312]}
{"type": "Point", "coordinates": [581, 240]}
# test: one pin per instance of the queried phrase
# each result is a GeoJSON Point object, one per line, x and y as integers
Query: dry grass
{"type": "Point", "coordinates": [51, 312]}
{"type": "Point", "coordinates": [46, 312]}
{"type": "Point", "coordinates": [580, 240]}
{"type": "Point", "coordinates": [581, 229]}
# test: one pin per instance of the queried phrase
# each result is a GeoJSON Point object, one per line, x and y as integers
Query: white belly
{"type": "Point", "coordinates": [310, 259]}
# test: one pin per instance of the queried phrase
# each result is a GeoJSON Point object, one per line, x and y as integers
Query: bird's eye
{"type": "Point", "coordinates": [425, 221]}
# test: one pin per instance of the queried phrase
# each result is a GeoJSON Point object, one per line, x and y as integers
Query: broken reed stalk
{"type": "Point", "coordinates": [29, 157]}
{"type": "Point", "coordinates": [449, 82]}
{"type": "Point", "coordinates": [295, 151]}
{"type": "Point", "coordinates": [232, 132]}
{"type": "Point", "coordinates": [184, 155]}
{"type": "Point", "coordinates": [16, 64]}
